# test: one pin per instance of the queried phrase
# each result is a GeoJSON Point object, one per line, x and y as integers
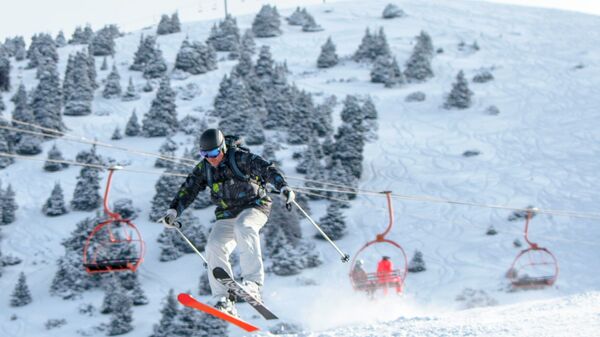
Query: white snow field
{"type": "Point", "coordinates": [542, 149]}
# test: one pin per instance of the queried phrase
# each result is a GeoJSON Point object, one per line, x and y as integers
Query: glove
{"type": "Point", "coordinates": [289, 196]}
{"type": "Point", "coordinates": [169, 220]}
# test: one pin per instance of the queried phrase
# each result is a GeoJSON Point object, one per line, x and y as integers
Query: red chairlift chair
{"type": "Point", "coordinates": [371, 282]}
{"type": "Point", "coordinates": [535, 267]}
{"type": "Point", "coordinates": [115, 244]}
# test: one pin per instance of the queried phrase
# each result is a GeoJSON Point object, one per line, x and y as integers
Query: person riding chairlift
{"type": "Point", "coordinates": [385, 275]}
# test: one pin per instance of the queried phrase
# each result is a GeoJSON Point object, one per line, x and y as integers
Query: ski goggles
{"type": "Point", "coordinates": [211, 153]}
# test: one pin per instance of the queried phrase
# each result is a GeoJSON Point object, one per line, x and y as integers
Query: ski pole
{"type": "Point", "coordinates": [177, 227]}
{"type": "Point", "coordinates": [345, 257]}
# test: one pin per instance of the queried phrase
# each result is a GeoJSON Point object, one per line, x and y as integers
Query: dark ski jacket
{"type": "Point", "coordinates": [230, 192]}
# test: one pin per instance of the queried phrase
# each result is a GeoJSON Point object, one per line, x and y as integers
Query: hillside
{"type": "Point", "coordinates": [541, 149]}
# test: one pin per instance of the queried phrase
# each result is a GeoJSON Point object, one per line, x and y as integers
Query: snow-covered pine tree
{"type": "Point", "coordinates": [244, 66]}
{"type": "Point", "coordinates": [82, 36]}
{"type": "Point", "coordinates": [349, 147]}
{"type": "Point", "coordinates": [264, 64]}
{"type": "Point", "coordinates": [144, 53]}
{"type": "Point", "coordinates": [286, 222]}
{"type": "Point", "coordinates": [247, 44]}
{"type": "Point", "coordinates": [6, 146]}
{"type": "Point", "coordinates": [91, 68]}
{"type": "Point", "coordinates": [267, 22]}
{"type": "Point", "coordinates": [60, 40]}
{"type": "Point", "coordinates": [4, 72]}
{"type": "Point", "coordinates": [175, 23]}
{"type": "Point", "coordinates": [310, 25]}
{"type": "Point", "coordinates": [156, 67]}
{"type": "Point", "coordinates": [42, 47]}
{"type": "Point", "coordinates": [112, 288]}
{"type": "Point", "coordinates": [300, 120]}
{"type": "Point", "coordinates": [372, 46]}
{"type": "Point", "coordinates": [2, 105]}
{"type": "Point", "coordinates": [166, 187]}
{"type": "Point", "coordinates": [328, 57]}
{"type": "Point", "coordinates": [239, 116]}
{"type": "Point", "coordinates": [21, 295]}
{"type": "Point", "coordinates": [164, 26]}
{"type": "Point", "coordinates": [103, 43]}
{"type": "Point", "coordinates": [338, 174]}
{"type": "Point", "coordinates": [392, 11]}
{"type": "Point", "coordinates": [225, 36]}
{"type": "Point", "coordinates": [395, 77]}
{"type": "Point", "coordinates": [168, 312]}
{"type": "Point", "coordinates": [104, 65]}
{"type": "Point", "coordinates": [55, 205]}
{"type": "Point", "coordinates": [86, 196]}
{"type": "Point", "coordinates": [204, 285]}
{"type": "Point", "coordinates": [79, 89]}
{"type": "Point", "coordinates": [167, 149]}
{"type": "Point", "coordinates": [333, 223]}
{"type": "Point", "coordinates": [417, 264]}
{"type": "Point", "coordinates": [148, 87]}
{"type": "Point", "coordinates": [133, 128]}
{"type": "Point", "coordinates": [418, 65]}
{"type": "Point", "coordinates": [122, 316]}
{"type": "Point", "coordinates": [117, 134]}
{"type": "Point", "coordinates": [21, 113]}
{"type": "Point", "coordinates": [46, 100]}
{"type": "Point", "coordinates": [352, 113]}
{"type": "Point", "coordinates": [173, 246]}
{"type": "Point", "coordinates": [112, 89]}
{"type": "Point", "coordinates": [161, 119]}
{"type": "Point", "coordinates": [286, 260]}
{"type": "Point", "coordinates": [196, 58]}
{"type": "Point", "coordinates": [29, 145]}
{"type": "Point", "coordinates": [298, 17]}
{"type": "Point", "coordinates": [460, 95]}
{"type": "Point", "coordinates": [130, 94]}
{"type": "Point", "coordinates": [381, 69]}
{"type": "Point", "coordinates": [369, 112]}
{"type": "Point", "coordinates": [268, 153]}
{"type": "Point", "coordinates": [9, 205]}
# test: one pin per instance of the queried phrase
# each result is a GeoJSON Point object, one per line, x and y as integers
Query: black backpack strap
{"type": "Point", "coordinates": [208, 174]}
{"type": "Point", "coordinates": [234, 166]}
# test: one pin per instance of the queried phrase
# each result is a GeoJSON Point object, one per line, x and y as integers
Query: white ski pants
{"type": "Point", "coordinates": [226, 234]}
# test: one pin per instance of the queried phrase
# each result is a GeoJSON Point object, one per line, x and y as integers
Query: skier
{"type": "Point", "coordinates": [386, 275]}
{"type": "Point", "coordinates": [236, 179]}
{"type": "Point", "coordinates": [359, 275]}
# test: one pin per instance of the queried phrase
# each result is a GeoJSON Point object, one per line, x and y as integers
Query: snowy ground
{"type": "Point", "coordinates": [542, 149]}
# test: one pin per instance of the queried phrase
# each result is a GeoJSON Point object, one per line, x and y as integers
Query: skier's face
{"type": "Point", "coordinates": [216, 160]}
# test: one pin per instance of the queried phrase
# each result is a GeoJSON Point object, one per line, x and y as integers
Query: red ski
{"type": "Point", "coordinates": [189, 301]}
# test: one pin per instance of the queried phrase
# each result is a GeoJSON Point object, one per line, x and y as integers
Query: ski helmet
{"type": "Point", "coordinates": [212, 139]}
{"type": "Point", "coordinates": [359, 262]}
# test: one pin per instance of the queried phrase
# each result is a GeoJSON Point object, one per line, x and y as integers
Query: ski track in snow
{"type": "Point", "coordinates": [542, 150]}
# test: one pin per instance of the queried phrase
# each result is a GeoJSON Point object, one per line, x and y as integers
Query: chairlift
{"type": "Point", "coordinates": [535, 267]}
{"type": "Point", "coordinates": [370, 282]}
{"type": "Point", "coordinates": [115, 244]}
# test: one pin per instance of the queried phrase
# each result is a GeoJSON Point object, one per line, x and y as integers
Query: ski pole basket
{"type": "Point", "coordinates": [533, 268]}
{"type": "Point", "coordinates": [370, 282]}
{"type": "Point", "coordinates": [115, 244]}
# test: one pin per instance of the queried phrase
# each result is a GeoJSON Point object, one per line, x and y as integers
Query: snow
{"type": "Point", "coordinates": [542, 149]}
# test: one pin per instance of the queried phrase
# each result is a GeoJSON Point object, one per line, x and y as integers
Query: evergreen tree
{"type": "Point", "coordinates": [55, 205]}
{"type": "Point", "coordinates": [395, 76]}
{"type": "Point", "coordinates": [372, 46]}
{"type": "Point", "coordinates": [86, 196]}
{"type": "Point", "coordinates": [54, 154]}
{"type": "Point", "coordinates": [323, 121]}
{"type": "Point", "coordinates": [370, 119]}
{"type": "Point", "coordinates": [112, 291]}
{"type": "Point", "coordinates": [247, 44]}
{"type": "Point", "coordinates": [112, 88]}
{"type": "Point", "coordinates": [144, 53]}
{"type": "Point", "coordinates": [285, 258]}
{"type": "Point", "coordinates": [161, 119]}
{"type": "Point", "coordinates": [117, 134]}
{"type": "Point", "coordinates": [417, 264]}
{"type": "Point", "coordinates": [204, 285]}
{"type": "Point", "coordinates": [175, 23]}
{"type": "Point", "coordinates": [244, 66]}
{"type": "Point", "coordinates": [60, 40]}
{"type": "Point", "coordinates": [264, 64]}
{"type": "Point", "coordinates": [300, 121]}
{"type": "Point", "coordinates": [4, 72]}
{"type": "Point", "coordinates": [46, 102]}
{"type": "Point", "coordinates": [196, 58]}
{"type": "Point", "coordinates": [2, 105]}
{"type": "Point", "coordinates": [169, 311]}
{"type": "Point", "coordinates": [352, 113]}
{"type": "Point", "coordinates": [239, 116]}
{"type": "Point", "coordinates": [6, 146]}
{"type": "Point", "coordinates": [82, 36]}
{"type": "Point", "coordinates": [267, 22]}
{"type": "Point", "coordinates": [225, 36]}
{"type": "Point", "coordinates": [133, 128]}
{"type": "Point", "coordinates": [381, 69]}
{"type": "Point", "coordinates": [418, 66]}
{"type": "Point", "coordinates": [122, 316]}
{"type": "Point", "coordinates": [392, 11]}
{"type": "Point", "coordinates": [156, 67]}
{"type": "Point", "coordinates": [78, 87]}
{"type": "Point", "coordinates": [148, 87]}
{"type": "Point", "coordinates": [349, 147]}
{"type": "Point", "coordinates": [298, 18]}
{"type": "Point", "coordinates": [167, 149]}
{"type": "Point", "coordinates": [91, 69]}
{"type": "Point", "coordinates": [310, 25]}
{"type": "Point", "coordinates": [460, 95]}
{"type": "Point", "coordinates": [42, 47]}
{"type": "Point", "coordinates": [21, 295]}
{"type": "Point", "coordinates": [328, 57]}
{"type": "Point", "coordinates": [173, 246]}
{"type": "Point", "coordinates": [166, 187]}
{"type": "Point", "coordinates": [103, 43]}
{"type": "Point", "coordinates": [23, 143]}
{"type": "Point", "coordinates": [130, 94]}
{"type": "Point", "coordinates": [9, 205]}
{"type": "Point", "coordinates": [104, 65]}
{"type": "Point", "coordinates": [333, 223]}
{"type": "Point", "coordinates": [338, 174]}
{"type": "Point", "coordinates": [164, 26]}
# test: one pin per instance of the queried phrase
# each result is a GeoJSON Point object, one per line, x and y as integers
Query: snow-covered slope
{"type": "Point", "coordinates": [542, 149]}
